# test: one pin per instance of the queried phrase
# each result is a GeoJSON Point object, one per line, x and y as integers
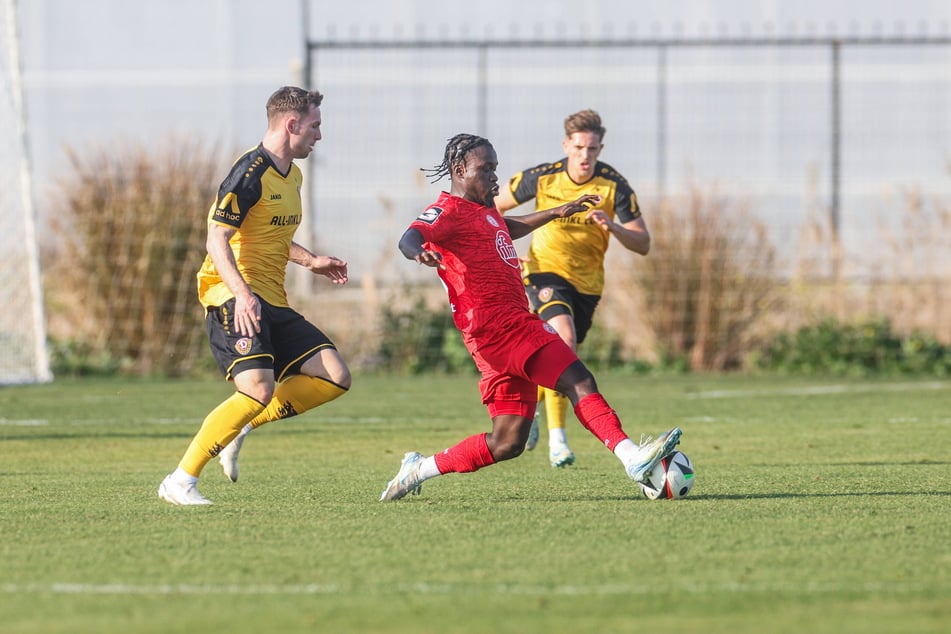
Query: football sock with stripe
{"type": "Point", "coordinates": [556, 410]}
{"type": "Point", "coordinates": [218, 429]}
{"type": "Point", "coordinates": [296, 395]}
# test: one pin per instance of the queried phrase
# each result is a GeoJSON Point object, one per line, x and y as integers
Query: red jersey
{"type": "Point", "coordinates": [481, 266]}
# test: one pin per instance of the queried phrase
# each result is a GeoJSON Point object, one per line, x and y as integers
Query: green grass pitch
{"type": "Point", "coordinates": [819, 506]}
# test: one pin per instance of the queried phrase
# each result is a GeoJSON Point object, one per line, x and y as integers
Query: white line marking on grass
{"type": "Point", "coordinates": [453, 589]}
{"type": "Point", "coordinates": [24, 422]}
{"type": "Point", "coordinates": [818, 390]}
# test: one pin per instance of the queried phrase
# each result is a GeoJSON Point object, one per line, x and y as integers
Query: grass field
{"type": "Point", "coordinates": [820, 506]}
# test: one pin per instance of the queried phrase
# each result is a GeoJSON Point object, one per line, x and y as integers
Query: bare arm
{"type": "Point", "coordinates": [633, 234]}
{"type": "Point", "coordinates": [411, 246]}
{"type": "Point", "coordinates": [520, 226]}
{"type": "Point", "coordinates": [247, 317]}
{"type": "Point", "coordinates": [329, 266]}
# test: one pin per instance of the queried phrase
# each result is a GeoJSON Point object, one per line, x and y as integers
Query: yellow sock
{"type": "Point", "coordinates": [541, 394]}
{"type": "Point", "coordinates": [295, 396]}
{"type": "Point", "coordinates": [219, 428]}
{"type": "Point", "coordinates": [556, 409]}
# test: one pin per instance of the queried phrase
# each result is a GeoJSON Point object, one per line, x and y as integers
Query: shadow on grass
{"type": "Point", "coordinates": [716, 496]}
{"type": "Point", "coordinates": [786, 495]}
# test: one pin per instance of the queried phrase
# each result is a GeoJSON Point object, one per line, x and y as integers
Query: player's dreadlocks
{"type": "Point", "coordinates": [456, 151]}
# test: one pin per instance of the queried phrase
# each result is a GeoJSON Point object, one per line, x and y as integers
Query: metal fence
{"type": "Point", "coordinates": [844, 129]}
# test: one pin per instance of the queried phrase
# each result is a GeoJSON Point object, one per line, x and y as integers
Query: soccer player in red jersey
{"type": "Point", "coordinates": [469, 242]}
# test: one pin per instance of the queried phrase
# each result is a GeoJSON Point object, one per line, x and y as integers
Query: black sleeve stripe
{"type": "Point", "coordinates": [241, 189]}
{"type": "Point", "coordinates": [527, 185]}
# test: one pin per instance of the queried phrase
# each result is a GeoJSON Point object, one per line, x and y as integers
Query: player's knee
{"type": "Point", "coordinates": [576, 382]}
{"type": "Point", "coordinates": [261, 392]}
{"type": "Point", "coordinates": [342, 377]}
{"type": "Point", "coordinates": [507, 450]}
{"type": "Point", "coordinates": [504, 444]}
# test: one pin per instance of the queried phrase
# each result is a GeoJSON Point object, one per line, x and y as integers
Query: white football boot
{"type": "Point", "coordinates": [179, 494]}
{"type": "Point", "coordinates": [651, 452]}
{"type": "Point", "coordinates": [229, 456]}
{"type": "Point", "coordinates": [407, 479]}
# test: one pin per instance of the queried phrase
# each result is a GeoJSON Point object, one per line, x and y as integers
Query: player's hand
{"type": "Point", "coordinates": [429, 258]}
{"type": "Point", "coordinates": [330, 267]}
{"type": "Point", "coordinates": [584, 203]}
{"type": "Point", "coordinates": [599, 218]}
{"type": "Point", "coordinates": [247, 314]}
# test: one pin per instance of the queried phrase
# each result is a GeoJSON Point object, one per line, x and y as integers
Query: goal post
{"type": "Point", "coordinates": [24, 356]}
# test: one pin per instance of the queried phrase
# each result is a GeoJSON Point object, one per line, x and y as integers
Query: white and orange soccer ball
{"type": "Point", "coordinates": [672, 478]}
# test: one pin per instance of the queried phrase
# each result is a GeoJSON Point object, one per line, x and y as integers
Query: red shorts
{"type": "Point", "coordinates": [515, 360]}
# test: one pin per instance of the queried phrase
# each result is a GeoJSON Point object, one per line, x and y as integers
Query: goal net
{"type": "Point", "coordinates": [23, 353]}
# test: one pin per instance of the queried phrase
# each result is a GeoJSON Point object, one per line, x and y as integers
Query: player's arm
{"type": "Point", "coordinates": [329, 266]}
{"type": "Point", "coordinates": [633, 234]}
{"type": "Point", "coordinates": [411, 246]}
{"type": "Point", "coordinates": [247, 308]}
{"type": "Point", "coordinates": [520, 226]}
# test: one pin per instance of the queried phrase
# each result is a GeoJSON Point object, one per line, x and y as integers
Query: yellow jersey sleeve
{"type": "Point", "coordinates": [265, 208]}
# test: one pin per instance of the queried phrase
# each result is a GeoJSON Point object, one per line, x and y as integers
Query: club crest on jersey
{"type": "Point", "coordinates": [503, 244]}
{"type": "Point", "coordinates": [242, 345]}
{"type": "Point", "coordinates": [544, 294]}
{"type": "Point", "coordinates": [430, 215]}
{"type": "Point", "coordinates": [492, 221]}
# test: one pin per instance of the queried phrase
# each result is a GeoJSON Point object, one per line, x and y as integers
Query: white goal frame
{"type": "Point", "coordinates": [24, 357]}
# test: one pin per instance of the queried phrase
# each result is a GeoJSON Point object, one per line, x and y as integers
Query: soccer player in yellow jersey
{"type": "Point", "coordinates": [564, 269]}
{"type": "Point", "coordinates": [281, 364]}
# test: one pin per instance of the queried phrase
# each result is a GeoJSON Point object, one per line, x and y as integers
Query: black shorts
{"type": "Point", "coordinates": [285, 342]}
{"type": "Point", "coordinates": [550, 295]}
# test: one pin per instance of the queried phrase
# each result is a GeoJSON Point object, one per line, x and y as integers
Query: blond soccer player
{"type": "Point", "coordinates": [564, 268]}
{"type": "Point", "coordinates": [281, 364]}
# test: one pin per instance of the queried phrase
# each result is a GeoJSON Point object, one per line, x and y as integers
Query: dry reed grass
{"type": "Point", "coordinates": [130, 223]}
{"type": "Point", "coordinates": [904, 278]}
{"type": "Point", "coordinates": [703, 291]}
{"type": "Point", "coordinates": [130, 232]}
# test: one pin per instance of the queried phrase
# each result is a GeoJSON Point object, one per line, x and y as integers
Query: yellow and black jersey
{"type": "Point", "coordinates": [573, 247]}
{"type": "Point", "coordinates": [265, 208]}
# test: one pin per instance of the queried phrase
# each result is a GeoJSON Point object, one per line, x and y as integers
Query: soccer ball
{"type": "Point", "coordinates": [671, 479]}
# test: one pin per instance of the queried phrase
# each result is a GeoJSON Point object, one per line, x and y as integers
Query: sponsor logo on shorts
{"type": "Point", "coordinates": [545, 294]}
{"type": "Point", "coordinates": [243, 345]}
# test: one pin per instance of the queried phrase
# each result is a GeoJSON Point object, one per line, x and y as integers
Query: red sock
{"type": "Point", "coordinates": [602, 421]}
{"type": "Point", "coordinates": [468, 455]}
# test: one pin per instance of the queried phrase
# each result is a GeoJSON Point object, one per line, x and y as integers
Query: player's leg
{"type": "Point", "coordinates": [248, 361]}
{"type": "Point", "coordinates": [552, 298]}
{"type": "Point", "coordinates": [533, 430]}
{"type": "Point", "coordinates": [570, 313]}
{"type": "Point", "coordinates": [217, 430]}
{"type": "Point", "coordinates": [556, 403]}
{"type": "Point", "coordinates": [511, 403]}
{"type": "Point", "coordinates": [577, 382]}
{"type": "Point", "coordinates": [311, 379]}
